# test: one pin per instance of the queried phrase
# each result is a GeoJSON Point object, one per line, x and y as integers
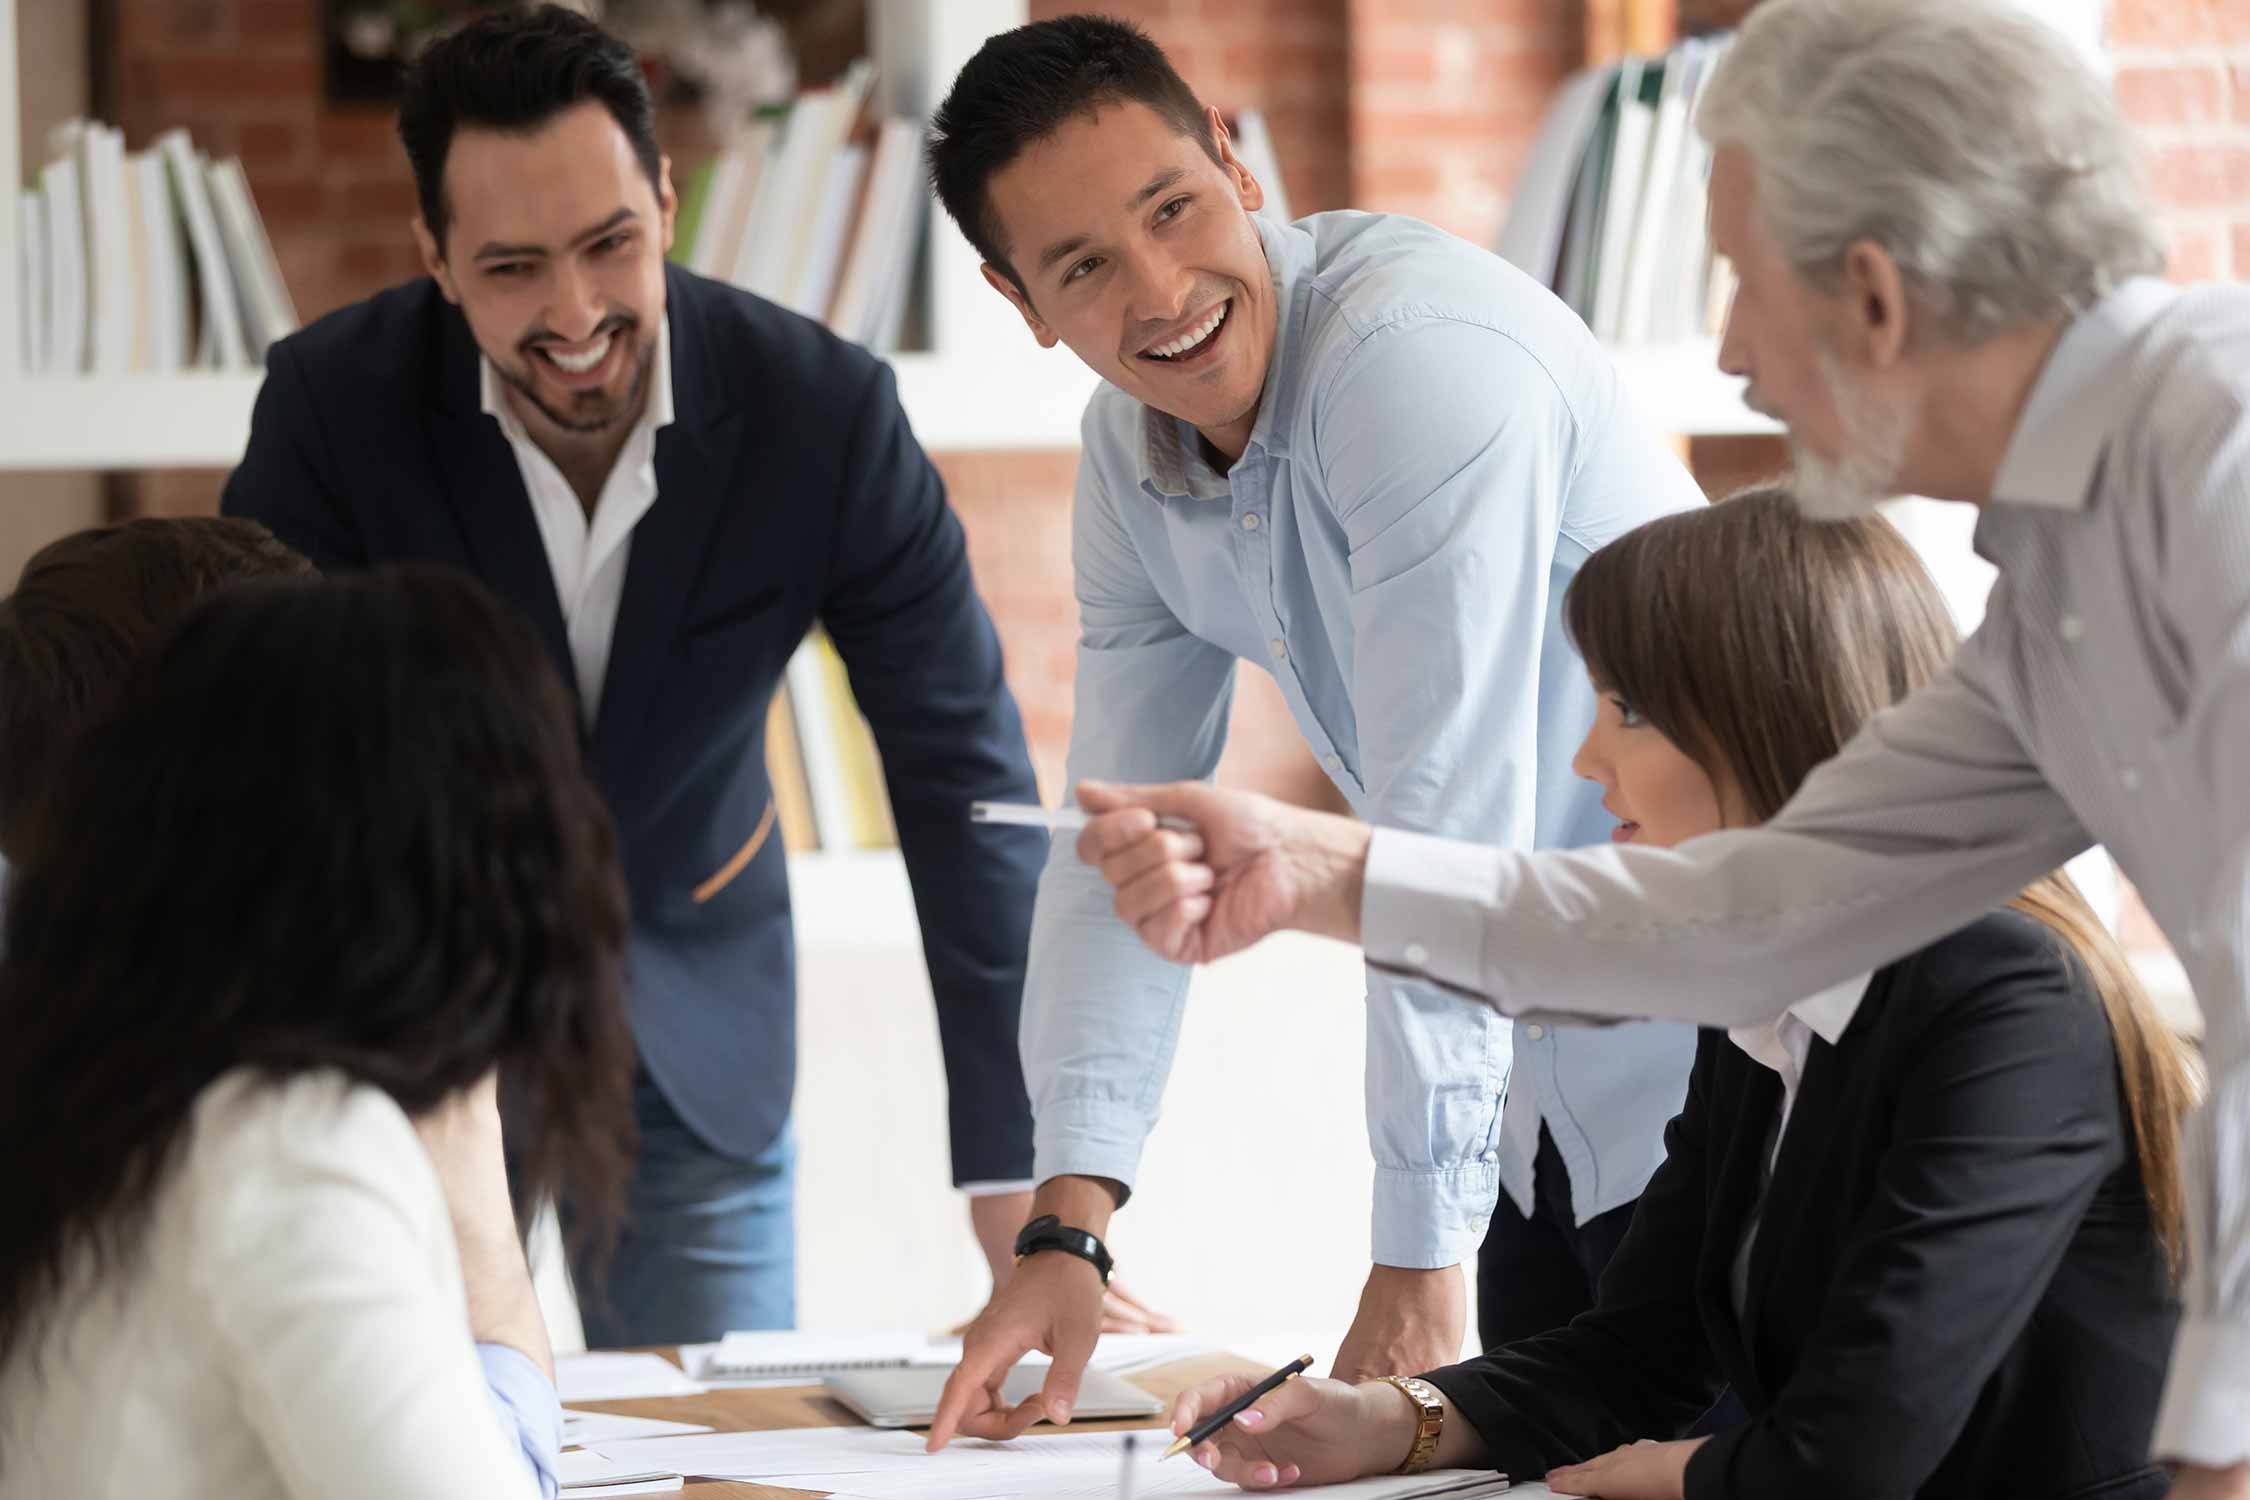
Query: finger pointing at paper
{"type": "Point", "coordinates": [1252, 866]}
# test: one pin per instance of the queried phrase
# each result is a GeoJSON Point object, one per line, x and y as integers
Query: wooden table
{"type": "Point", "coordinates": [773, 1408]}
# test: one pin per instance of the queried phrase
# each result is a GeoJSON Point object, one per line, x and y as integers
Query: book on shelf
{"type": "Point", "coordinates": [821, 759]}
{"type": "Point", "coordinates": [820, 210]}
{"type": "Point", "coordinates": [31, 280]}
{"type": "Point", "coordinates": [1610, 209]}
{"type": "Point", "coordinates": [823, 207]}
{"type": "Point", "coordinates": [147, 262]}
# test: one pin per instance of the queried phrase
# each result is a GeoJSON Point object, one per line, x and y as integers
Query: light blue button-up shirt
{"type": "Point", "coordinates": [1440, 445]}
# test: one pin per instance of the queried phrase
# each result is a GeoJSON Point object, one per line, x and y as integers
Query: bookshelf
{"type": "Point", "coordinates": [984, 384]}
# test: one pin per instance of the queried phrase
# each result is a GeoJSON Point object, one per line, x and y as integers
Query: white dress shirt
{"type": "Point", "coordinates": [291, 1323]}
{"type": "Point", "coordinates": [588, 553]}
{"type": "Point", "coordinates": [2105, 697]}
{"type": "Point", "coordinates": [1783, 1044]}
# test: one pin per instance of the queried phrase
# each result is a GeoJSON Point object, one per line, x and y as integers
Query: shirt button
{"type": "Point", "coordinates": [1279, 647]}
{"type": "Point", "coordinates": [1250, 521]}
{"type": "Point", "coordinates": [2071, 627]}
{"type": "Point", "coordinates": [1417, 956]}
{"type": "Point", "coordinates": [1332, 763]}
{"type": "Point", "coordinates": [1535, 1033]}
{"type": "Point", "coordinates": [2193, 942]}
{"type": "Point", "coordinates": [2130, 779]}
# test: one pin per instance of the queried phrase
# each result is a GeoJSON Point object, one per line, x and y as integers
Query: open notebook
{"type": "Point", "coordinates": [812, 1356]}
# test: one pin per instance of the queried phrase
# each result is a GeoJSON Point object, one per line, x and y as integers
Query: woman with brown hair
{"type": "Point", "coordinates": [1925, 1224]}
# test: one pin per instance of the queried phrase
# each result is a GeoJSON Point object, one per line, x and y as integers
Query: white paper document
{"type": "Point", "coordinates": [619, 1377]}
{"type": "Point", "coordinates": [868, 1464]}
{"type": "Point", "coordinates": [583, 1429]}
{"type": "Point", "coordinates": [590, 1474]}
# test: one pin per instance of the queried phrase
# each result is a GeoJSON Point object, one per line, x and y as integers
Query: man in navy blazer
{"type": "Point", "coordinates": [673, 480]}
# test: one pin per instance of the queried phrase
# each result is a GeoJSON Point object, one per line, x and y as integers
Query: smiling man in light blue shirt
{"type": "Point", "coordinates": [1367, 457]}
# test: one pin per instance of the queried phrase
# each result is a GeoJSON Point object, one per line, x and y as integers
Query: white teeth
{"type": "Point", "coordinates": [579, 364]}
{"type": "Point", "coordinates": [1193, 336]}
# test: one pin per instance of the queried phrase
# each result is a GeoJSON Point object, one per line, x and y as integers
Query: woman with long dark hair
{"type": "Point", "coordinates": [1924, 1224]}
{"type": "Point", "coordinates": [331, 875]}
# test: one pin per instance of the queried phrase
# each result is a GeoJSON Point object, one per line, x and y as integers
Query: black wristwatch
{"type": "Point", "coordinates": [1048, 1232]}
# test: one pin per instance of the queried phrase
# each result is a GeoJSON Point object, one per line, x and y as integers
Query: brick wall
{"type": "Point", "coordinates": [1416, 106]}
{"type": "Point", "coordinates": [2183, 78]}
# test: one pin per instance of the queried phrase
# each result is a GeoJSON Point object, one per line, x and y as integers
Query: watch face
{"type": "Point", "coordinates": [1034, 1229]}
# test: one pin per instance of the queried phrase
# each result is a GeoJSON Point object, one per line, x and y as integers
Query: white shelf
{"type": "Point", "coordinates": [203, 420]}
{"type": "Point", "coordinates": [854, 899]}
{"type": "Point", "coordinates": [1678, 387]}
{"type": "Point", "coordinates": [1026, 400]}
{"type": "Point", "coordinates": [130, 422]}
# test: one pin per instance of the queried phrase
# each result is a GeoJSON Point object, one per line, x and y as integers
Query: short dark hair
{"type": "Point", "coordinates": [1023, 86]}
{"type": "Point", "coordinates": [513, 71]}
{"type": "Point", "coordinates": [89, 610]}
{"type": "Point", "coordinates": [336, 826]}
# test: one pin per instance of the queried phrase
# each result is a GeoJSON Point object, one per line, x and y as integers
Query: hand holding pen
{"type": "Point", "coordinates": [1302, 1431]}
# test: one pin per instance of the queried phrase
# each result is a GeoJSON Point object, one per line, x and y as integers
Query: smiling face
{"type": "Point", "coordinates": [1136, 249]}
{"type": "Point", "coordinates": [1655, 790]}
{"type": "Point", "coordinates": [555, 255]}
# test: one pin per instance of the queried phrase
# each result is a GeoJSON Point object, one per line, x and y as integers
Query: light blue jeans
{"type": "Point", "coordinates": [708, 1241]}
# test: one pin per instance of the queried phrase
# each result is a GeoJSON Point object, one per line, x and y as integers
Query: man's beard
{"type": "Point", "coordinates": [606, 413]}
{"type": "Point", "coordinates": [1875, 430]}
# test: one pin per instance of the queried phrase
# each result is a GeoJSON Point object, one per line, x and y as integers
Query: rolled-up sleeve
{"type": "Point", "coordinates": [524, 1400]}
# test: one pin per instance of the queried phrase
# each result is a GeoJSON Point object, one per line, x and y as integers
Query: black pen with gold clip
{"type": "Point", "coordinates": [1211, 1426]}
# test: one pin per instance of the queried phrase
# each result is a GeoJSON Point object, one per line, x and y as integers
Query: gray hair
{"type": "Point", "coordinates": [1967, 138]}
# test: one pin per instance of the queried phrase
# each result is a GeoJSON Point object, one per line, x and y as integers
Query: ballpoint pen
{"type": "Point", "coordinates": [1053, 819]}
{"type": "Point", "coordinates": [1212, 1425]}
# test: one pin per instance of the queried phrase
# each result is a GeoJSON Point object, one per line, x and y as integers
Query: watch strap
{"type": "Point", "coordinates": [1431, 1406]}
{"type": "Point", "coordinates": [1049, 1233]}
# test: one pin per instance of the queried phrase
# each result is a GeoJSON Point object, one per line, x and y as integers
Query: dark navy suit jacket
{"type": "Point", "coordinates": [790, 490]}
{"type": "Point", "coordinates": [1955, 1290]}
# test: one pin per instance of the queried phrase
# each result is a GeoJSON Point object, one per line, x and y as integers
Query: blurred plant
{"type": "Point", "coordinates": [739, 61]}
{"type": "Point", "coordinates": [736, 60]}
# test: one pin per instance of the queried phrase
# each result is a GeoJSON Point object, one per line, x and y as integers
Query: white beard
{"type": "Point", "coordinates": [1865, 473]}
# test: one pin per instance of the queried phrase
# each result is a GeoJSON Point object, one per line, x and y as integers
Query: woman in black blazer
{"type": "Point", "coordinates": [1958, 1279]}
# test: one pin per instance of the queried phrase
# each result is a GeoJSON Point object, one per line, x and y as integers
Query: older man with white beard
{"type": "Point", "coordinates": [1945, 262]}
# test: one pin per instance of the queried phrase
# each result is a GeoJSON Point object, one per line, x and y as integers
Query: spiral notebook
{"type": "Point", "coordinates": [775, 1356]}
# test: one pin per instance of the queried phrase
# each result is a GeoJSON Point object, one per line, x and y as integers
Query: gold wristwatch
{"type": "Point", "coordinates": [1431, 1405]}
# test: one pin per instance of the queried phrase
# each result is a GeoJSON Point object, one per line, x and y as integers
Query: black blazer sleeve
{"type": "Point", "coordinates": [1639, 1363]}
{"type": "Point", "coordinates": [282, 480]}
{"type": "Point", "coordinates": [925, 666]}
{"type": "Point", "coordinates": [2005, 1120]}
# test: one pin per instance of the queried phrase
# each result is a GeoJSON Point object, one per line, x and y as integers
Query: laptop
{"type": "Point", "coordinates": [908, 1397]}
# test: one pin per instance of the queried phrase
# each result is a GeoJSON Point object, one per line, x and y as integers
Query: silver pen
{"type": "Point", "coordinates": [1053, 819]}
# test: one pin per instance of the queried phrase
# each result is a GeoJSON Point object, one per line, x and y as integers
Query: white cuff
{"type": "Point", "coordinates": [1427, 1220]}
{"type": "Point", "coordinates": [2205, 1418]}
{"type": "Point", "coordinates": [995, 1189]}
{"type": "Point", "coordinates": [1424, 907]}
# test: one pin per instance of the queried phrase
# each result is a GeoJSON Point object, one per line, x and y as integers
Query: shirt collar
{"type": "Point", "coordinates": [2066, 422]}
{"type": "Point", "coordinates": [492, 395]}
{"type": "Point", "coordinates": [1290, 252]}
{"type": "Point", "coordinates": [1828, 1015]}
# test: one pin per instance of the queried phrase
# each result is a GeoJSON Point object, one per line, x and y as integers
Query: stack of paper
{"type": "Point", "coordinates": [591, 1474]}
{"type": "Point", "coordinates": [587, 1429]}
{"type": "Point", "coordinates": [619, 1377]}
{"type": "Point", "coordinates": [866, 1464]}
